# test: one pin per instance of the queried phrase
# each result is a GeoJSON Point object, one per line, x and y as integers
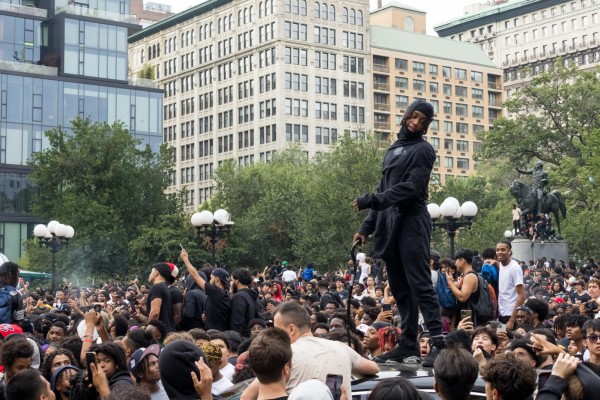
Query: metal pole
{"type": "Point", "coordinates": [213, 241]}
{"type": "Point", "coordinates": [452, 234]}
{"type": "Point", "coordinates": [54, 249]}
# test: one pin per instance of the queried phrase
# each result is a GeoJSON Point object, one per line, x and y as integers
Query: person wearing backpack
{"type": "Point", "coordinates": [466, 291]}
{"type": "Point", "coordinates": [11, 301]}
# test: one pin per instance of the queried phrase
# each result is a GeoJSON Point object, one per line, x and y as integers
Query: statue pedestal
{"type": "Point", "coordinates": [523, 250]}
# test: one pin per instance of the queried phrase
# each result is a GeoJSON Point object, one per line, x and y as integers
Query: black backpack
{"type": "Point", "coordinates": [485, 308]}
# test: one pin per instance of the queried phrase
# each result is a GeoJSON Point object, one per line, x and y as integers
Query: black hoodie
{"type": "Point", "coordinates": [402, 190]}
{"type": "Point", "coordinates": [194, 306]}
{"type": "Point", "coordinates": [244, 307]}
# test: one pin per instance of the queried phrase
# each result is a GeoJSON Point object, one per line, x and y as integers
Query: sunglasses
{"type": "Point", "coordinates": [592, 338]}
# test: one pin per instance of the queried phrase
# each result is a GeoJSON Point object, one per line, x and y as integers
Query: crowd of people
{"type": "Point", "coordinates": [284, 332]}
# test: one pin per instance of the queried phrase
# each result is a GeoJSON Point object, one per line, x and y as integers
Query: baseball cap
{"type": "Point", "coordinates": [57, 372]}
{"type": "Point", "coordinates": [63, 308]}
{"type": "Point", "coordinates": [138, 356]}
{"type": "Point", "coordinates": [9, 329]}
{"type": "Point", "coordinates": [222, 274]}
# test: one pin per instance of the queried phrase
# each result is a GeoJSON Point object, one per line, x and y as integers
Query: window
{"type": "Point", "coordinates": [460, 91]}
{"type": "Point", "coordinates": [448, 162]}
{"type": "Point", "coordinates": [462, 128]}
{"type": "Point", "coordinates": [447, 89]}
{"type": "Point", "coordinates": [401, 82]}
{"type": "Point", "coordinates": [447, 108]}
{"type": "Point", "coordinates": [401, 101]}
{"type": "Point", "coordinates": [418, 67]}
{"type": "Point", "coordinates": [448, 144]}
{"type": "Point", "coordinates": [477, 93]}
{"type": "Point", "coordinates": [419, 85]}
{"type": "Point", "coordinates": [296, 133]}
{"type": "Point", "coordinates": [446, 72]}
{"type": "Point", "coordinates": [401, 64]}
{"type": "Point", "coordinates": [462, 163]}
{"type": "Point", "coordinates": [433, 87]}
{"type": "Point", "coordinates": [461, 74]}
{"type": "Point", "coordinates": [435, 143]}
{"type": "Point", "coordinates": [355, 65]}
{"type": "Point", "coordinates": [448, 129]}
{"type": "Point", "coordinates": [477, 111]}
{"type": "Point", "coordinates": [433, 69]}
{"type": "Point", "coordinates": [461, 110]}
{"type": "Point", "coordinates": [462, 145]}
{"type": "Point", "coordinates": [476, 76]}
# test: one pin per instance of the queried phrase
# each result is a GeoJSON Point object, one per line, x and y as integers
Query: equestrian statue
{"type": "Point", "coordinates": [536, 199]}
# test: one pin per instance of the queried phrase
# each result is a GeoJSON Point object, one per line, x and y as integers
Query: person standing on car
{"type": "Point", "coordinates": [401, 228]}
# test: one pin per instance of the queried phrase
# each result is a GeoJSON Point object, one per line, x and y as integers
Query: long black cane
{"type": "Point", "coordinates": [352, 277]}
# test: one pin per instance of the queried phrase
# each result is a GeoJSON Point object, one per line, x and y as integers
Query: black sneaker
{"type": "Point", "coordinates": [404, 348]}
{"type": "Point", "coordinates": [436, 348]}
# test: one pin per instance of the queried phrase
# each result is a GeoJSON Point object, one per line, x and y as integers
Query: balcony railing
{"type": "Point", "coordinates": [382, 125]}
{"type": "Point", "coordinates": [381, 86]}
{"type": "Point", "coordinates": [147, 83]}
{"type": "Point", "coordinates": [89, 12]}
{"type": "Point", "coordinates": [494, 85]}
{"type": "Point", "coordinates": [28, 68]}
{"type": "Point", "coordinates": [382, 107]}
{"type": "Point", "coordinates": [36, 12]}
{"type": "Point", "coordinates": [381, 68]}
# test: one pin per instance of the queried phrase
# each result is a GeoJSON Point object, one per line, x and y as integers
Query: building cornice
{"type": "Point", "coordinates": [492, 15]}
{"type": "Point", "coordinates": [176, 19]}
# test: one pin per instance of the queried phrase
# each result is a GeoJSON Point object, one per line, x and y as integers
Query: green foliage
{"type": "Point", "coordinates": [555, 119]}
{"type": "Point", "coordinates": [147, 72]}
{"type": "Point", "coordinates": [99, 180]}
{"type": "Point", "coordinates": [549, 119]}
{"type": "Point", "coordinates": [296, 209]}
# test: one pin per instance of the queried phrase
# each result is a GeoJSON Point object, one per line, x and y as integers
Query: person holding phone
{"type": "Point", "coordinates": [467, 290]}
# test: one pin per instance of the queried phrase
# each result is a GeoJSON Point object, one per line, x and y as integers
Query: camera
{"type": "Point", "coordinates": [591, 306]}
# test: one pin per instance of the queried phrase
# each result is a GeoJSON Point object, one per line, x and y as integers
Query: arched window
{"type": "Point", "coordinates": [303, 7]}
{"type": "Point", "coordinates": [251, 12]}
{"type": "Point", "coordinates": [149, 53]}
{"type": "Point", "coordinates": [230, 22]}
{"type": "Point", "coordinates": [323, 11]}
{"type": "Point", "coordinates": [260, 10]}
{"type": "Point", "coordinates": [240, 18]}
{"type": "Point", "coordinates": [359, 18]}
{"type": "Point", "coordinates": [246, 15]}
{"type": "Point", "coordinates": [409, 24]}
{"type": "Point", "coordinates": [352, 17]}
{"type": "Point", "coordinates": [158, 50]}
{"type": "Point", "coordinates": [193, 36]}
{"type": "Point", "coordinates": [142, 56]}
{"type": "Point", "coordinates": [316, 10]}
{"type": "Point", "coordinates": [268, 7]}
{"type": "Point", "coordinates": [331, 12]}
{"type": "Point", "coordinates": [219, 25]}
{"type": "Point", "coordinates": [210, 30]}
{"type": "Point", "coordinates": [345, 15]}
{"type": "Point", "coordinates": [153, 51]}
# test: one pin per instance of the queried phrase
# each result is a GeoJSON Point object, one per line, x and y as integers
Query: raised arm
{"type": "Point", "coordinates": [192, 270]}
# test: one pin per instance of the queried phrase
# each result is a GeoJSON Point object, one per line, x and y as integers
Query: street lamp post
{"type": "Point", "coordinates": [212, 226]}
{"type": "Point", "coordinates": [452, 211]}
{"type": "Point", "coordinates": [55, 236]}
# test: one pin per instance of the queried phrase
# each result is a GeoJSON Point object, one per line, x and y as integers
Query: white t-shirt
{"type": "Point", "coordinates": [220, 386]}
{"type": "Point", "coordinates": [314, 358]}
{"type": "Point", "coordinates": [511, 276]}
{"type": "Point", "coordinates": [288, 276]}
{"type": "Point", "coordinates": [161, 394]}
{"type": "Point", "coordinates": [228, 371]}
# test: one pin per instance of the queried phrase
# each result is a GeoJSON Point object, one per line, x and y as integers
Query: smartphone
{"type": "Point", "coordinates": [334, 383]}
{"type": "Point", "coordinates": [386, 307]}
{"type": "Point", "coordinates": [90, 358]}
{"type": "Point", "coordinates": [501, 327]}
{"type": "Point", "coordinates": [465, 313]}
{"type": "Point", "coordinates": [98, 308]}
{"type": "Point", "coordinates": [180, 245]}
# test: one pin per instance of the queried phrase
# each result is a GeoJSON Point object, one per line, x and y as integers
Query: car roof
{"type": "Point", "coordinates": [421, 377]}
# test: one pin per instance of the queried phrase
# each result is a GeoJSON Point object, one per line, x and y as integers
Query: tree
{"type": "Point", "coordinates": [102, 182]}
{"type": "Point", "coordinates": [549, 119]}
{"type": "Point", "coordinates": [147, 72]}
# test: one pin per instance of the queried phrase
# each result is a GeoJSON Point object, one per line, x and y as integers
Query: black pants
{"type": "Point", "coordinates": [410, 277]}
{"type": "Point", "coordinates": [517, 225]}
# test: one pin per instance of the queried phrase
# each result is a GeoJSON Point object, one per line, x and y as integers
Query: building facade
{"type": "Point", "coordinates": [149, 13]}
{"type": "Point", "coordinates": [532, 34]}
{"type": "Point", "coordinates": [245, 79]}
{"type": "Point", "coordinates": [462, 84]}
{"type": "Point", "coordinates": [60, 60]}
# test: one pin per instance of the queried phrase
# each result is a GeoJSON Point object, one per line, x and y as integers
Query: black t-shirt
{"type": "Point", "coordinates": [218, 308]}
{"type": "Point", "coordinates": [583, 297]}
{"type": "Point", "coordinates": [161, 291]}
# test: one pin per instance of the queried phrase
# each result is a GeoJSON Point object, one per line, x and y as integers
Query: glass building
{"type": "Point", "coordinates": [60, 60]}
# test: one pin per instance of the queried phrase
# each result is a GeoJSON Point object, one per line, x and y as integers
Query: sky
{"type": "Point", "coordinates": [438, 11]}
